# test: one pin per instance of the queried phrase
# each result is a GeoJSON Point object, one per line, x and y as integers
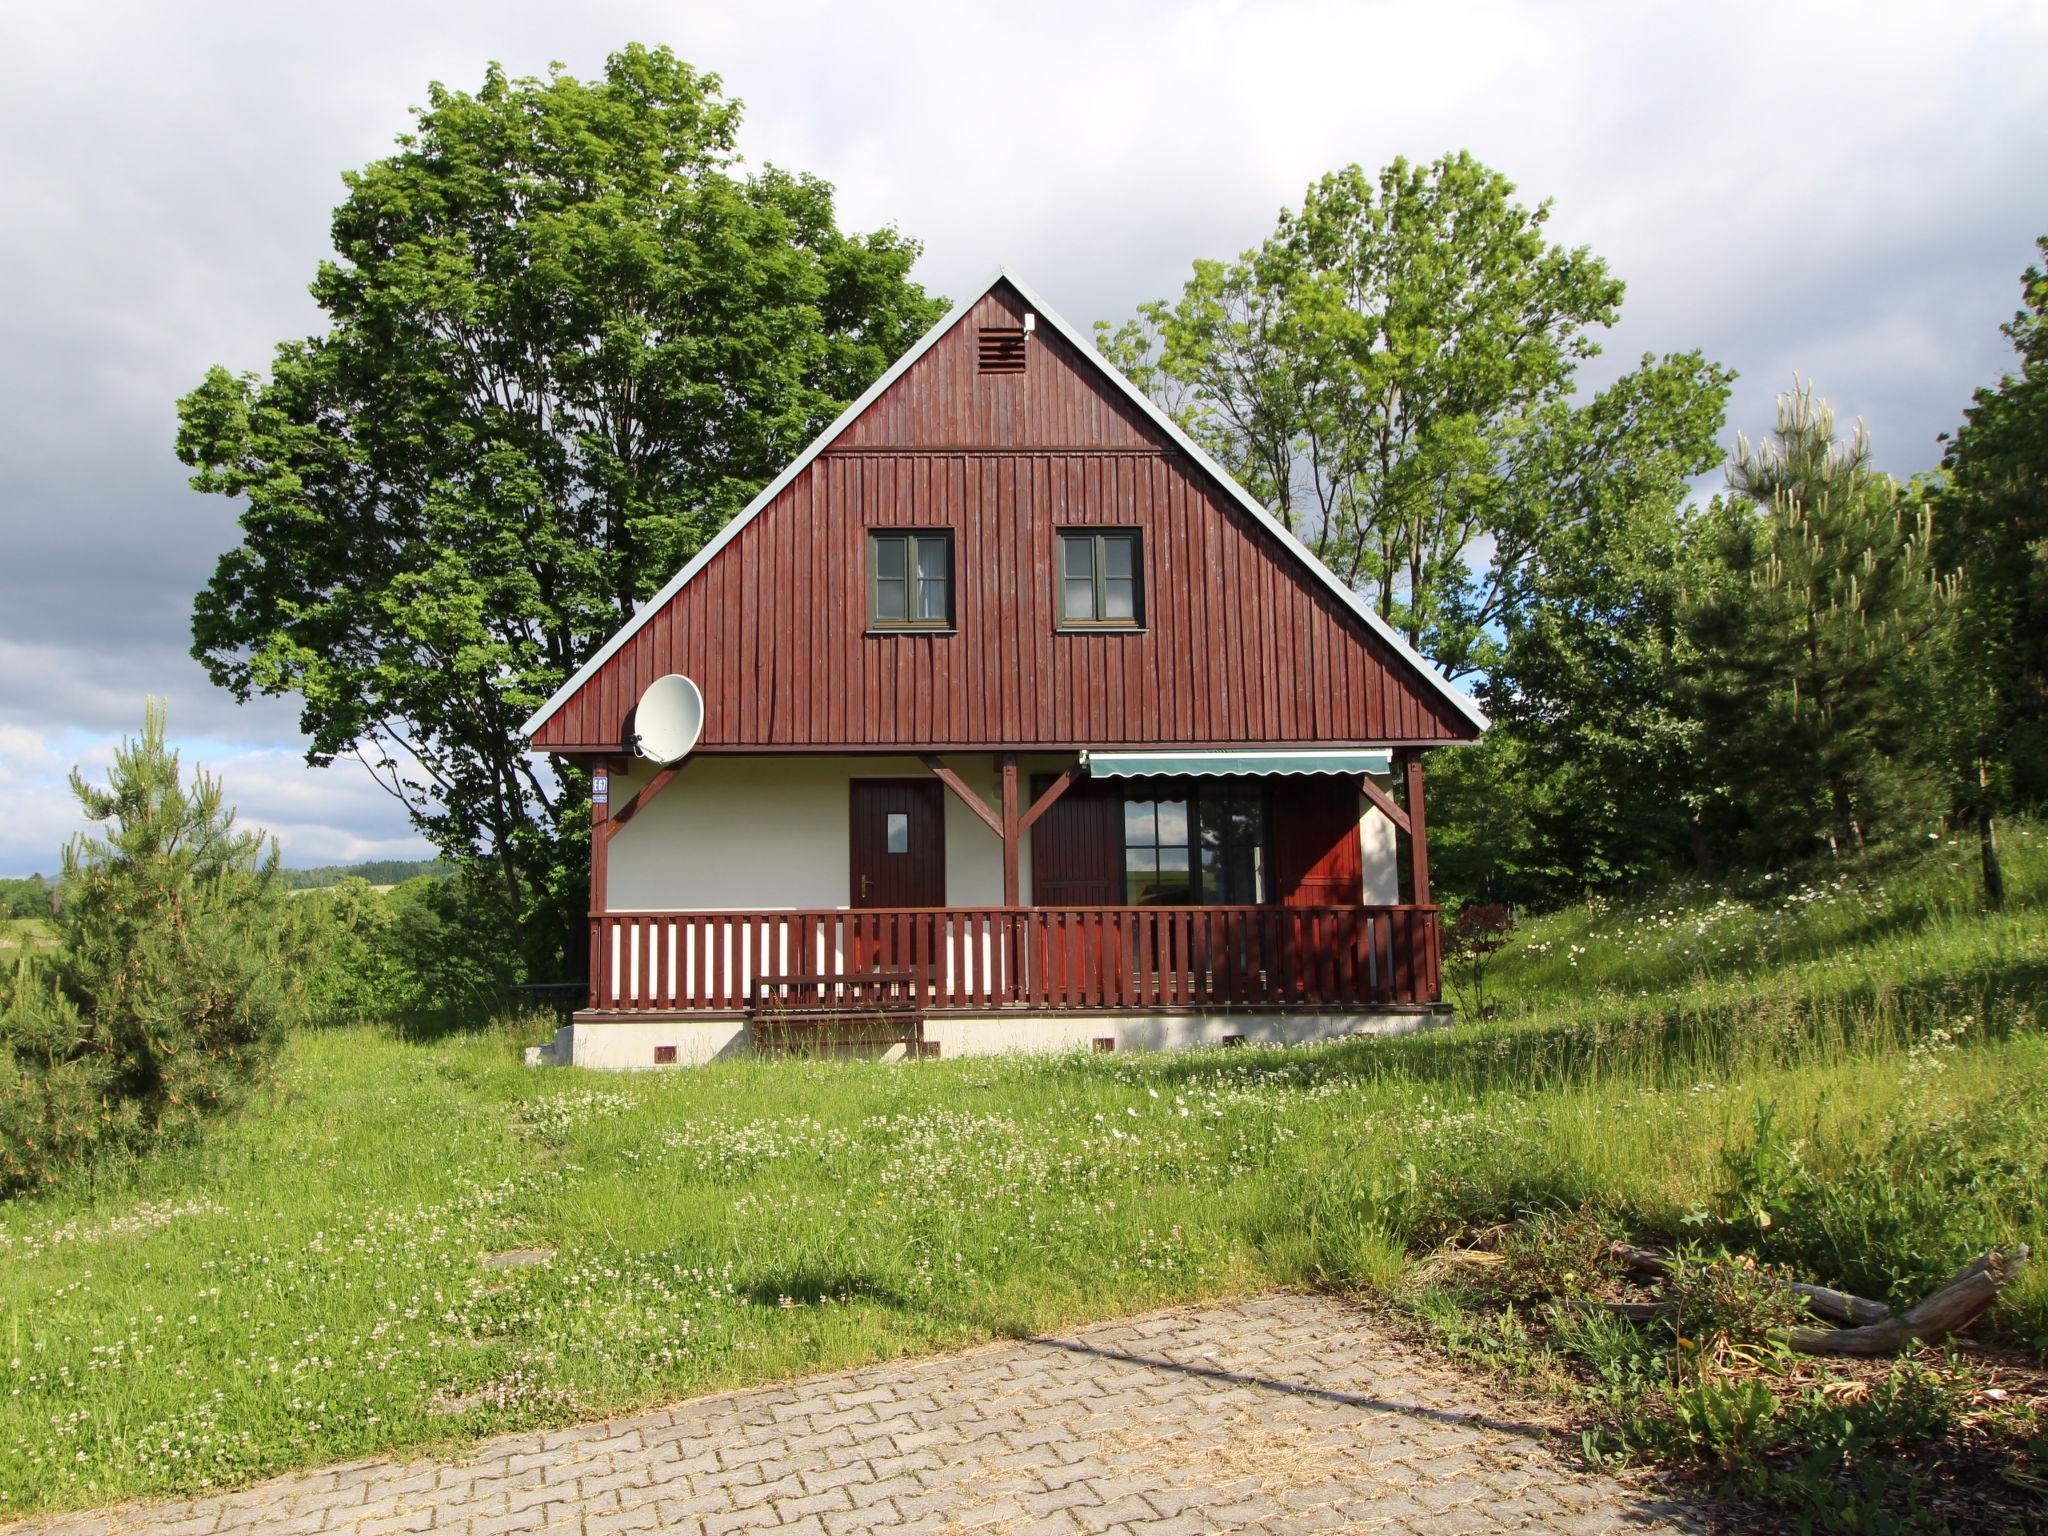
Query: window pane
{"type": "Point", "coordinates": [891, 604]}
{"type": "Point", "coordinates": [1141, 859]}
{"type": "Point", "coordinates": [1116, 555]}
{"type": "Point", "coordinates": [1173, 860]}
{"type": "Point", "coordinates": [931, 585]}
{"type": "Point", "coordinates": [899, 832]}
{"type": "Point", "coordinates": [1119, 598]}
{"type": "Point", "coordinates": [1173, 824]}
{"type": "Point", "coordinates": [1079, 601]}
{"type": "Point", "coordinates": [931, 559]}
{"type": "Point", "coordinates": [1138, 825]}
{"type": "Point", "coordinates": [1232, 832]}
{"type": "Point", "coordinates": [889, 557]}
{"type": "Point", "coordinates": [1078, 553]}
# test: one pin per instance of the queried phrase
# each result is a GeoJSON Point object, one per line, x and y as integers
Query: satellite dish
{"type": "Point", "coordinates": [668, 720]}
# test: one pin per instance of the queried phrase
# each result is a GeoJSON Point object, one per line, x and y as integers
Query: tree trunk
{"type": "Point", "coordinates": [1987, 842]}
{"type": "Point", "coordinates": [1702, 849]}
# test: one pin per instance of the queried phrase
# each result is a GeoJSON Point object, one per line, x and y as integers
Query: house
{"type": "Point", "coordinates": [1023, 726]}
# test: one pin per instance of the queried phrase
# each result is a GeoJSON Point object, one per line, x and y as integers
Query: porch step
{"type": "Point", "coordinates": [838, 1034]}
{"type": "Point", "coordinates": [861, 1015]}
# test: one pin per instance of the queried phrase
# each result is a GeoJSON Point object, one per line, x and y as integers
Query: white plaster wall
{"type": "Point", "coordinates": [740, 833]}
{"type": "Point", "coordinates": [1380, 849]}
{"type": "Point", "coordinates": [630, 1047]}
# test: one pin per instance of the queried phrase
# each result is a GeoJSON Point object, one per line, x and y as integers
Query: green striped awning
{"type": "Point", "coordinates": [1253, 760]}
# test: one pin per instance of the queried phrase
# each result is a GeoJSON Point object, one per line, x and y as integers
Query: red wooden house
{"type": "Point", "coordinates": [1023, 725]}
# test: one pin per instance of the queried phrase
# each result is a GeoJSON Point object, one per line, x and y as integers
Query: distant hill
{"type": "Point", "coordinates": [376, 871]}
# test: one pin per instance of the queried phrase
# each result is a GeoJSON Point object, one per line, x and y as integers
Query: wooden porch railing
{"type": "Point", "coordinates": [1026, 957]}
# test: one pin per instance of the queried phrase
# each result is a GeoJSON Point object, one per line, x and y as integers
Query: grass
{"type": "Point", "coordinates": [312, 1283]}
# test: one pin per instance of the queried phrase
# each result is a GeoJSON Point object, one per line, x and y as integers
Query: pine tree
{"type": "Point", "coordinates": [1818, 636]}
{"type": "Point", "coordinates": [172, 989]}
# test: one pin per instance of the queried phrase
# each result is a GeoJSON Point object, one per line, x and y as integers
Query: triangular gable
{"type": "Point", "coordinates": [1144, 412]}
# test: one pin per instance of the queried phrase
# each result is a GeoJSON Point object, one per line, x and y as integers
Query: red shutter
{"type": "Point", "coordinates": [1077, 847]}
{"type": "Point", "coordinates": [1315, 842]}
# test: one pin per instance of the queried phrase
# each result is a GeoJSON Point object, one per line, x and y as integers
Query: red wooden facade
{"type": "Point", "coordinates": [1242, 643]}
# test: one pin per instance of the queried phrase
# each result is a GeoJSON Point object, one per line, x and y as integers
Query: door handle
{"type": "Point", "coordinates": [863, 887]}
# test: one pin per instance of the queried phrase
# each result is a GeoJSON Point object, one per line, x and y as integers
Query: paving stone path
{"type": "Point", "coordinates": [1276, 1414]}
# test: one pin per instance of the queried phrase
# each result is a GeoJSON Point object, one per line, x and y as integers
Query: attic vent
{"type": "Point", "coordinates": [1002, 349]}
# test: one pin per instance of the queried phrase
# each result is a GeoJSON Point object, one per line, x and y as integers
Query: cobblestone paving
{"type": "Point", "coordinates": [1277, 1414]}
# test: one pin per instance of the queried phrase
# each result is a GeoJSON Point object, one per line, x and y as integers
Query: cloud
{"type": "Point", "coordinates": [1828, 189]}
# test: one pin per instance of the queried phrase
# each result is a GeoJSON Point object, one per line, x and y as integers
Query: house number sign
{"type": "Point", "coordinates": [600, 789]}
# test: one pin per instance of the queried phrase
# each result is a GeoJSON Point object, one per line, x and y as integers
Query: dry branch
{"type": "Point", "coordinates": [1822, 1301]}
{"type": "Point", "coordinates": [1876, 1331]}
{"type": "Point", "coordinates": [1949, 1310]}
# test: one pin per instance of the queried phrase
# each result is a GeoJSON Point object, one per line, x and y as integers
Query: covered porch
{"type": "Point", "coordinates": [976, 960]}
{"type": "Point", "coordinates": [1262, 880]}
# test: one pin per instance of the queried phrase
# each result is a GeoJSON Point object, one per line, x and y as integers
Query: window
{"type": "Point", "coordinates": [1099, 581]}
{"type": "Point", "coordinates": [898, 832]}
{"type": "Point", "coordinates": [910, 580]}
{"type": "Point", "coordinates": [1206, 847]}
{"type": "Point", "coordinates": [1231, 837]}
{"type": "Point", "coordinates": [1156, 871]}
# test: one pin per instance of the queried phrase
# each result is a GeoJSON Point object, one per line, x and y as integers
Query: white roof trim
{"type": "Point", "coordinates": [1138, 397]}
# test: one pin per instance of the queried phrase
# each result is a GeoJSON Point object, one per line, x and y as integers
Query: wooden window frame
{"type": "Point", "coordinates": [1190, 790]}
{"type": "Point", "coordinates": [1135, 624]}
{"type": "Point", "coordinates": [911, 538]}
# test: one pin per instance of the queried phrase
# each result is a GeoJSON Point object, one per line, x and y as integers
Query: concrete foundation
{"type": "Point", "coordinates": [626, 1045]}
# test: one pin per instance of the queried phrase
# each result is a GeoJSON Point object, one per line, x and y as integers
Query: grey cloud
{"type": "Point", "coordinates": [1849, 192]}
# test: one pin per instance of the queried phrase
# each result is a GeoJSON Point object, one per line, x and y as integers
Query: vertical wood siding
{"type": "Point", "coordinates": [1240, 644]}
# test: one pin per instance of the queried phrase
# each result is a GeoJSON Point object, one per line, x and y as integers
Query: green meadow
{"type": "Point", "coordinates": [412, 1240]}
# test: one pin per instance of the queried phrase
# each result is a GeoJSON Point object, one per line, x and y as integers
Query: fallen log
{"type": "Point", "coordinates": [1823, 1301]}
{"type": "Point", "coordinates": [1952, 1308]}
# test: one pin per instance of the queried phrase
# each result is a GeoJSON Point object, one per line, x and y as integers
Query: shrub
{"type": "Point", "coordinates": [170, 993]}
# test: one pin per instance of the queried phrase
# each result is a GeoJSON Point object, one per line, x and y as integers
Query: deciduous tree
{"type": "Point", "coordinates": [1994, 526]}
{"type": "Point", "coordinates": [1394, 372]}
{"type": "Point", "coordinates": [566, 339]}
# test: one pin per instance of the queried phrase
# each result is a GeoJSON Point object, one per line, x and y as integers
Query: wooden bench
{"type": "Point", "coordinates": [858, 1015]}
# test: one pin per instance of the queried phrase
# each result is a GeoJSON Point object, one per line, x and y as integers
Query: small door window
{"type": "Point", "coordinates": [898, 833]}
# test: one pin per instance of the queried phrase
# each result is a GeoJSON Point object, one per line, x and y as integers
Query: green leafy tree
{"type": "Point", "coordinates": [1393, 372]}
{"type": "Point", "coordinates": [172, 989]}
{"type": "Point", "coordinates": [25, 898]}
{"type": "Point", "coordinates": [566, 340]}
{"type": "Point", "coordinates": [1817, 636]}
{"type": "Point", "coordinates": [1994, 526]}
{"type": "Point", "coordinates": [1596, 733]}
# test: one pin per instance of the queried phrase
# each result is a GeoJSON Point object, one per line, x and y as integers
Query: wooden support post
{"type": "Point", "coordinates": [638, 803]}
{"type": "Point", "coordinates": [600, 844]}
{"type": "Point", "coordinates": [1383, 802]}
{"type": "Point", "coordinates": [1418, 830]}
{"type": "Point", "coordinates": [967, 796]}
{"type": "Point", "coordinates": [1044, 802]}
{"type": "Point", "coordinates": [1012, 831]}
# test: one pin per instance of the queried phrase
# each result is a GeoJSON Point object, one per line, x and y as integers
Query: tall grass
{"type": "Point", "coordinates": [314, 1282]}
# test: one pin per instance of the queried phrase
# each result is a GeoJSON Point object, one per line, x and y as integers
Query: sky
{"type": "Point", "coordinates": [1848, 192]}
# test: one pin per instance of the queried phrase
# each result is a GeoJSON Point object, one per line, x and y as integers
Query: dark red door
{"type": "Point", "coordinates": [899, 843]}
{"type": "Point", "coordinates": [1077, 847]}
{"type": "Point", "coordinates": [1315, 843]}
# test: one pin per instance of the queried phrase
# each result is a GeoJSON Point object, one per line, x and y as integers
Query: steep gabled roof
{"type": "Point", "coordinates": [1085, 348]}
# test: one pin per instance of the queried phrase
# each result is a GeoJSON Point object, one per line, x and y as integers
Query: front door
{"type": "Point", "coordinates": [899, 843]}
